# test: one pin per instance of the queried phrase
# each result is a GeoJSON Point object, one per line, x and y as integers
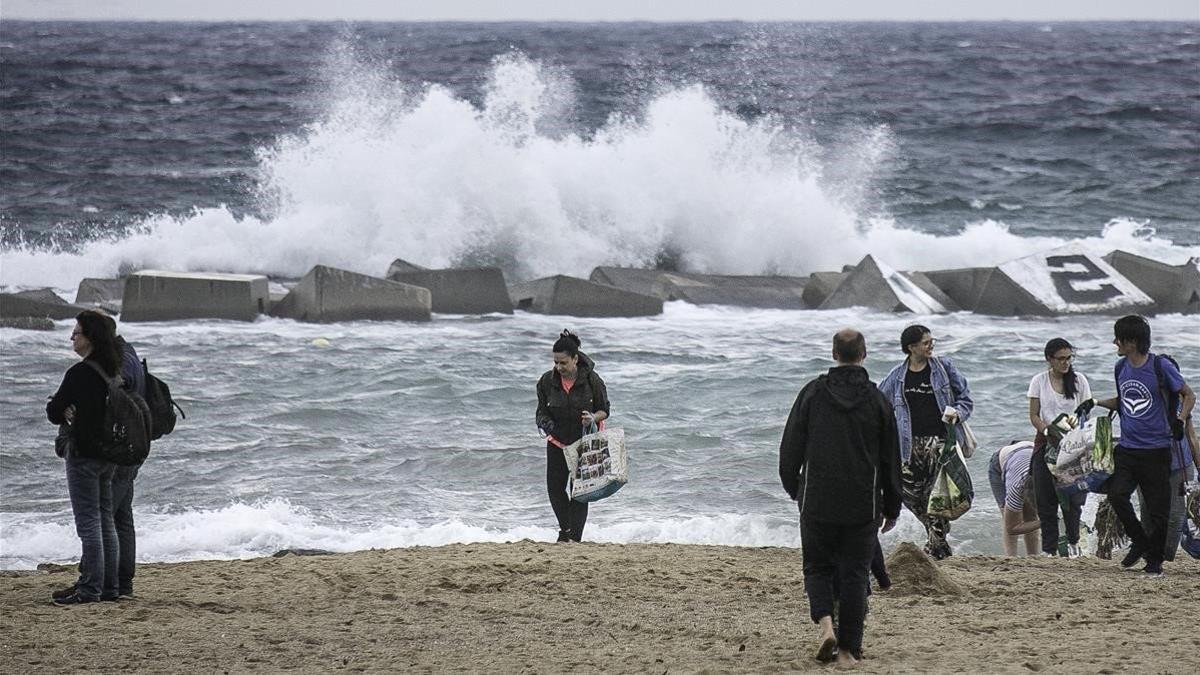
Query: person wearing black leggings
{"type": "Point", "coordinates": [571, 398]}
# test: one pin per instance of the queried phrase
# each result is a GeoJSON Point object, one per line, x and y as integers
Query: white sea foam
{"type": "Point", "coordinates": [241, 530]}
{"type": "Point", "coordinates": [426, 175]}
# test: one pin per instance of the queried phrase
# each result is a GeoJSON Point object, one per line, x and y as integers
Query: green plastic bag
{"type": "Point", "coordinates": [952, 489]}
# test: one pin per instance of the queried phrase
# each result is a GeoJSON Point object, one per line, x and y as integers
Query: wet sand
{"type": "Point", "coordinates": [550, 608]}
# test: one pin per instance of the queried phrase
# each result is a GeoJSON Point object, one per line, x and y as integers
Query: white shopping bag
{"type": "Point", "coordinates": [598, 465]}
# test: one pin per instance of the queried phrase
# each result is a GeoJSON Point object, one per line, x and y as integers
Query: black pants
{"type": "Point", "coordinates": [571, 515]}
{"type": "Point", "coordinates": [122, 496]}
{"type": "Point", "coordinates": [1149, 470]}
{"type": "Point", "coordinates": [842, 552]}
{"type": "Point", "coordinates": [1048, 504]}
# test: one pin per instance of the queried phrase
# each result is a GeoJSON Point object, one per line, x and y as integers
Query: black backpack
{"type": "Point", "coordinates": [125, 438]}
{"type": "Point", "coordinates": [162, 406]}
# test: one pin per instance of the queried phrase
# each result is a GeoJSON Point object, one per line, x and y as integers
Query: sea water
{"type": "Point", "coordinates": [732, 148]}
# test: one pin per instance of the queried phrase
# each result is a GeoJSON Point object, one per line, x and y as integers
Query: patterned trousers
{"type": "Point", "coordinates": [917, 477]}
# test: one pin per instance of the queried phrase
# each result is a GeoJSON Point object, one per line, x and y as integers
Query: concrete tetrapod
{"type": "Point", "coordinates": [328, 294]}
{"type": "Point", "coordinates": [579, 297]}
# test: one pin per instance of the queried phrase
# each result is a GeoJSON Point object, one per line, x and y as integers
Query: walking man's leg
{"type": "Point", "coordinates": [817, 543]}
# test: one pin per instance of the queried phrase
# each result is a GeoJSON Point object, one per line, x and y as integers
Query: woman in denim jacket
{"type": "Point", "coordinates": [921, 389]}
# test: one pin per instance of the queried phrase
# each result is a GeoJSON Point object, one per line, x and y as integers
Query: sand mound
{"type": "Point", "coordinates": [913, 573]}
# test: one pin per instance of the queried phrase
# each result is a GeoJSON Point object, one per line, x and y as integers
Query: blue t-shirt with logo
{"type": "Point", "coordinates": [1144, 423]}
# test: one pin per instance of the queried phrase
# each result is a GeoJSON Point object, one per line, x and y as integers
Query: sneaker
{"type": "Point", "coordinates": [1153, 569]}
{"type": "Point", "coordinates": [1134, 555]}
{"type": "Point", "coordinates": [110, 598]}
{"type": "Point", "coordinates": [1073, 551]}
{"type": "Point", "coordinates": [74, 599]}
{"type": "Point", "coordinates": [64, 592]}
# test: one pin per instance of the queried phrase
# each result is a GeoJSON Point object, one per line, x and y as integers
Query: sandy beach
{"type": "Point", "coordinates": [537, 607]}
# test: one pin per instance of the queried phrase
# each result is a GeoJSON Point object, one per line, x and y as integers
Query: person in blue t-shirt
{"type": "Point", "coordinates": [1143, 456]}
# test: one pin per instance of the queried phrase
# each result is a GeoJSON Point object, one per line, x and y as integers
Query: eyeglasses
{"type": "Point", "coordinates": [1064, 359]}
{"type": "Point", "coordinates": [928, 342]}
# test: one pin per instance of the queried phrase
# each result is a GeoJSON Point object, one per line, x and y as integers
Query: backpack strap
{"type": "Point", "coordinates": [1170, 403]}
{"type": "Point", "coordinates": [1117, 381]}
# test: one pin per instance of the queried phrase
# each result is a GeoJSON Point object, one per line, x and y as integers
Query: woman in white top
{"type": "Point", "coordinates": [1056, 390]}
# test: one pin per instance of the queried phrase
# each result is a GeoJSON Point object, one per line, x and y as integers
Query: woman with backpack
{"type": "Point", "coordinates": [80, 404]}
{"type": "Point", "coordinates": [927, 393]}
{"type": "Point", "coordinates": [571, 397]}
{"type": "Point", "coordinates": [1055, 390]}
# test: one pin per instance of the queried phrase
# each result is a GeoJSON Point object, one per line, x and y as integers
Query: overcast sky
{"type": "Point", "coordinates": [604, 10]}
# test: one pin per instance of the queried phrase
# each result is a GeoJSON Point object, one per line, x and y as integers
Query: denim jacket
{"type": "Point", "coordinates": [949, 389]}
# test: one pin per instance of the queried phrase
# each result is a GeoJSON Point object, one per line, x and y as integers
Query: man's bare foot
{"type": "Point", "coordinates": [846, 660]}
{"type": "Point", "coordinates": [828, 649]}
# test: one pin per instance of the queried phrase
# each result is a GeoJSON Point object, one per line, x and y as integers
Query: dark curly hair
{"type": "Point", "coordinates": [99, 330]}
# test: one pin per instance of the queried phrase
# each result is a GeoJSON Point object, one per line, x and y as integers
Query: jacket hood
{"type": "Point", "coordinates": [847, 386]}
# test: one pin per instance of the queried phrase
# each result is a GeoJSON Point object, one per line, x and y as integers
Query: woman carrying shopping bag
{"type": "Point", "coordinates": [927, 393]}
{"type": "Point", "coordinates": [571, 397]}
{"type": "Point", "coordinates": [1055, 390]}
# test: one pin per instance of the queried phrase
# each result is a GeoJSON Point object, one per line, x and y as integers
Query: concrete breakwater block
{"type": "Point", "coordinates": [155, 295]}
{"type": "Point", "coordinates": [480, 290]}
{"type": "Point", "coordinates": [768, 292]}
{"type": "Point", "coordinates": [1174, 288]}
{"type": "Point", "coordinates": [41, 303]}
{"type": "Point", "coordinates": [820, 286]}
{"type": "Point", "coordinates": [328, 294]}
{"type": "Point", "coordinates": [875, 285]}
{"type": "Point", "coordinates": [1067, 280]}
{"type": "Point", "coordinates": [580, 297]}
{"type": "Point", "coordinates": [27, 322]}
{"type": "Point", "coordinates": [103, 293]}
{"type": "Point", "coordinates": [964, 286]}
{"type": "Point", "coordinates": [632, 279]}
{"type": "Point", "coordinates": [763, 292]}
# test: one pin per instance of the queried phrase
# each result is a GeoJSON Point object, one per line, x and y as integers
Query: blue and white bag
{"type": "Point", "coordinates": [598, 465]}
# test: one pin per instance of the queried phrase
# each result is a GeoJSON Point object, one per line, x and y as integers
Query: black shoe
{"type": "Point", "coordinates": [1153, 569]}
{"type": "Point", "coordinates": [74, 599]}
{"type": "Point", "coordinates": [109, 598]}
{"type": "Point", "coordinates": [64, 592]}
{"type": "Point", "coordinates": [1134, 555]}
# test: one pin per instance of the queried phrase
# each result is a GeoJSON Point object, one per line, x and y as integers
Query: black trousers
{"type": "Point", "coordinates": [833, 551]}
{"type": "Point", "coordinates": [1149, 470]}
{"type": "Point", "coordinates": [571, 515]}
{"type": "Point", "coordinates": [1048, 504]}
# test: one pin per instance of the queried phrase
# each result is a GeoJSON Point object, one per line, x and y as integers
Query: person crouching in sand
{"type": "Point", "coordinates": [840, 460]}
{"type": "Point", "coordinates": [1009, 473]}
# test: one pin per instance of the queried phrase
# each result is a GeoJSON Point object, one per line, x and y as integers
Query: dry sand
{"type": "Point", "coordinates": [537, 607]}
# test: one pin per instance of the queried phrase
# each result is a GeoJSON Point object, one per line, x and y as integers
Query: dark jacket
{"type": "Point", "coordinates": [558, 413]}
{"type": "Point", "coordinates": [840, 456]}
{"type": "Point", "coordinates": [83, 388]}
{"type": "Point", "coordinates": [131, 368]}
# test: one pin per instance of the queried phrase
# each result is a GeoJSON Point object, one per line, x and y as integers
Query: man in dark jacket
{"type": "Point", "coordinates": [840, 460]}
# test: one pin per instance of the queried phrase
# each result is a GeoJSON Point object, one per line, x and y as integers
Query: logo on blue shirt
{"type": "Point", "coordinates": [1136, 398]}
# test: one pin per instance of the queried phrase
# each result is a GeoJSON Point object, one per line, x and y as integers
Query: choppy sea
{"type": "Point", "coordinates": [553, 148]}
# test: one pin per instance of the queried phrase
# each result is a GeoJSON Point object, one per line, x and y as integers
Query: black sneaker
{"type": "Point", "coordinates": [64, 592]}
{"type": "Point", "coordinates": [1153, 569]}
{"type": "Point", "coordinates": [74, 599]}
{"type": "Point", "coordinates": [1134, 555]}
{"type": "Point", "coordinates": [110, 598]}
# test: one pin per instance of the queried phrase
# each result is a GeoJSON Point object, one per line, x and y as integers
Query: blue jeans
{"type": "Point", "coordinates": [89, 482]}
{"type": "Point", "coordinates": [122, 496]}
